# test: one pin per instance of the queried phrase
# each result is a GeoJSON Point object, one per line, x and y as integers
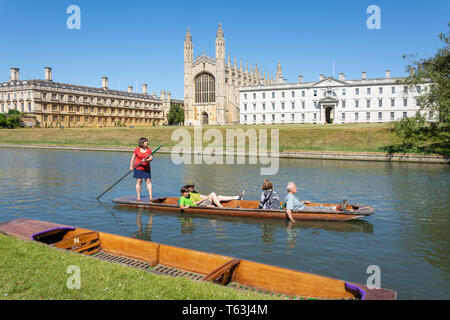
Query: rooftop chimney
{"type": "Point", "coordinates": [105, 83]}
{"type": "Point", "coordinates": [388, 73]}
{"type": "Point", "coordinates": [48, 74]}
{"type": "Point", "coordinates": [300, 78]}
{"type": "Point", "coordinates": [169, 95]}
{"type": "Point", "coordinates": [341, 76]}
{"type": "Point", "coordinates": [14, 74]}
{"type": "Point", "coordinates": [130, 89]}
{"type": "Point", "coordinates": [163, 95]}
{"type": "Point", "coordinates": [364, 75]}
{"type": "Point", "coordinates": [144, 88]}
{"type": "Point", "coordinates": [321, 77]}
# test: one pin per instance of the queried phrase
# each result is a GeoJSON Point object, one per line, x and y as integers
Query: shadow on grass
{"type": "Point", "coordinates": [439, 148]}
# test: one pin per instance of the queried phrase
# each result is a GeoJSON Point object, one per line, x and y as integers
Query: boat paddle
{"type": "Point", "coordinates": [129, 171]}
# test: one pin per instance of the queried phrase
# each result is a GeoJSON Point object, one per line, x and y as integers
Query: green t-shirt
{"type": "Point", "coordinates": [194, 196]}
{"type": "Point", "coordinates": [186, 201]}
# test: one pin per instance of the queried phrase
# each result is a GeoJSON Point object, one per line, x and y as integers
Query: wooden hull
{"type": "Point", "coordinates": [197, 265]}
{"type": "Point", "coordinates": [246, 208]}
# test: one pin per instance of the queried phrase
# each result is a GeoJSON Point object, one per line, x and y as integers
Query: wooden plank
{"type": "Point", "coordinates": [224, 273]}
{"type": "Point", "coordinates": [77, 241]}
{"type": "Point", "coordinates": [27, 228]}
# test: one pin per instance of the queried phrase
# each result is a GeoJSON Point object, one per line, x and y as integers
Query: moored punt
{"type": "Point", "coordinates": [173, 261]}
{"type": "Point", "coordinates": [247, 208]}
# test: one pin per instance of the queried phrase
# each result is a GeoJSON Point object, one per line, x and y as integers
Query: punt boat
{"type": "Point", "coordinates": [201, 266]}
{"type": "Point", "coordinates": [248, 208]}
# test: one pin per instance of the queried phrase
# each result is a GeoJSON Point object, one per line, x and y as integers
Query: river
{"type": "Point", "coordinates": [406, 240]}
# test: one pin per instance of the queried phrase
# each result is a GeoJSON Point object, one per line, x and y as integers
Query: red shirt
{"type": "Point", "coordinates": [145, 166]}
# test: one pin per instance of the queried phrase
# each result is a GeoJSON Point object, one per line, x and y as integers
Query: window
{"type": "Point", "coordinates": [380, 115]}
{"type": "Point", "coordinates": [29, 107]}
{"type": "Point", "coordinates": [293, 104]}
{"type": "Point", "coordinates": [380, 102]}
{"type": "Point", "coordinates": [245, 117]}
{"type": "Point", "coordinates": [343, 116]}
{"type": "Point", "coordinates": [343, 103]}
{"type": "Point", "coordinates": [303, 93]}
{"type": "Point", "coordinates": [245, 107]}
{"type": "Point", "coordinates": [292, 116]}
{"type": "Point", "coordinates": [343, 92]}
{"type": "Point", "coordinates": [282, 94]}
{"type": "Point", "coordinates": [315, 93]}
{"type": "Point", "coordinates": [369, 90]}
{"type": "Point", "coordinates": [368, 115]}
{"type": "Point", "coordinates": [254, 95]}
{"type": "Point", "coordinates": [405, 114]}
{"type": "Point", "coordinates": [254, 117]}
{"type": "Point", "coordinates": [430, 115]}
{"type": "Point", "coordinates": [368, 103]}
{"type": "Point", "coordinates": [273, 94]}
{"type": "Point", "coordinates": [303, 117]}
{"type": "Point", "coordinates": [405, 89]}
{"type": "Point", "coordinates": [264, 117]}
{"type": "Point", "coordinates": [245, 96]}
{"type": "Point", "coordinates": [254, 107]}
{"type": "Point", "coordinates": [273, 105]}
{"type": "Point", "coordinates": [264, 95]}
{"type": "Point", "coordinates": [205, 88]}
{"type": "Point", "coordinates": [380, 90]}
{"type": "Point", "coordinates": [356, 103]}
{"type": "Point", "coordinates": [303, 104]}
{"type": "Point", "coordinates": [356, 115]}
{"type": "Point", "coordinates": [405, 102]}
{"type": "Point", "coordinates": [357, 91]}
{"type": "Point", "coordinates": [264, 106]}
{"type": "Point", "coordinates": [315, 116]}
{"type": "Point", "coordinates": [393, 89]}
{"type": "Point", "coordinates": [392, 102]}
{"type": "Point", "coordinates": [282, 105]}
{"type": "Point", "coordinates": [392, 115]}
{"type": "Point", "coordinates": [292, 94]}
{"type": "Point", "coordinates": [273, 117]}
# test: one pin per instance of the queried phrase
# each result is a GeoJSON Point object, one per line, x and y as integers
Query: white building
{"type": "Point", "coordinates": [330, 100]}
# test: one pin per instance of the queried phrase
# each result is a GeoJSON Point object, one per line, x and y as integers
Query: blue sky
{"type": "Point", "coordinates": [142, 41]}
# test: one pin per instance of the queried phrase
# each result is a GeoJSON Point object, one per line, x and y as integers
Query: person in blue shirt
{"type": "Point", "coordinates": [292, 202]}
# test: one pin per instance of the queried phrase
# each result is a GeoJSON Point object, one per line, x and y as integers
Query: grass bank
{"type": "Point", "coordinates": [335, 137]}
{"type": "Point", "coordinates": [31, 270]}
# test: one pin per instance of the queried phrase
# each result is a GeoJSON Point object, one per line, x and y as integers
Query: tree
{"type": "Point", "coordinates": [176, 114]}
{"type": "Point", "coordinates": [431, 124]}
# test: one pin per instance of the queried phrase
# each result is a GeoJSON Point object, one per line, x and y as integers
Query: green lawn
{"type": "Point", "coordinates": [31, 270]}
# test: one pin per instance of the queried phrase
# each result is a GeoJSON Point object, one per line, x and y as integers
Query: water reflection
{"type": "Point", "coordinates": [407, 236]}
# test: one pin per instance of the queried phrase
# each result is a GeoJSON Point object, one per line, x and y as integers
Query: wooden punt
{"type": "Point", "coordinates": [178, 262]}
{"type": "Point", "coordinates": [248, 208]}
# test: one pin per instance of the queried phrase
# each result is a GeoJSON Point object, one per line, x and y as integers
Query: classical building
{"type": "Point", "coordinates": [330, 100]}
{"type": "Point", "coordinates": [55, 104]}
{"type": "Point", "coordinates": [211, 85]}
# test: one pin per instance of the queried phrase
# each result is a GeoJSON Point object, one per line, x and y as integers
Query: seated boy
{"type": "Point", "coordinates": [186, 201]}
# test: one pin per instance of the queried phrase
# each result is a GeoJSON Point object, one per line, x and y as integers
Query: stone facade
{"type": "Point", "coordinates": [56, 104]}
{"type": "Point", "coordinates": [331, 100]}
{"type": "Point", "coordinates": [211, 85]}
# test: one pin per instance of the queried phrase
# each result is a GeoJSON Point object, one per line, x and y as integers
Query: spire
{"type": "Point", "coordinates": [219, 32]}
{"type": "Point", "coordinates": [229, 61]}
{"type": "Point", "coordinates": [279, 73]}
{"type": "Point", "coordinates": [188, 35]}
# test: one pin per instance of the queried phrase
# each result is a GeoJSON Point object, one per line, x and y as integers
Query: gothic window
{"type": "Point", "coordinates": [205, 88]}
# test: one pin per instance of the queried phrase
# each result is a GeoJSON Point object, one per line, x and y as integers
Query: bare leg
{"type": "Point", "coordinates": [149, 188]}
{"type": "Point", "coordinates": [138, 188]}
{"type": "Point", "coordinates": [225, 198]}
{"type": "Point", "coordinates": [213, 198]}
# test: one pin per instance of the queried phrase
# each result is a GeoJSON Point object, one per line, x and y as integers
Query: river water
{"type": "Point", "coordinates": [406, 240]}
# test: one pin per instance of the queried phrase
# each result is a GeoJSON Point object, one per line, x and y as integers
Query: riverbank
{"type": "Point", "coordinates": [31, 270]}
{"type": "Point", "coordinates": [373, 142]}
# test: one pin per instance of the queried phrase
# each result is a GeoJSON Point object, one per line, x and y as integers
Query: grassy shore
{"type": "Point", "coordinates": [336, 137]}
{"type": "Point", "coordinates": [31, 270]}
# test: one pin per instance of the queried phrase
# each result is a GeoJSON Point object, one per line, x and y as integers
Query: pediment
{"type": "Point", "coordinates": [330, 82]}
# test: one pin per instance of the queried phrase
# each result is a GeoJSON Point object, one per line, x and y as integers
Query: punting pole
{"type": "Point", "coordinates": [129, 172]}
